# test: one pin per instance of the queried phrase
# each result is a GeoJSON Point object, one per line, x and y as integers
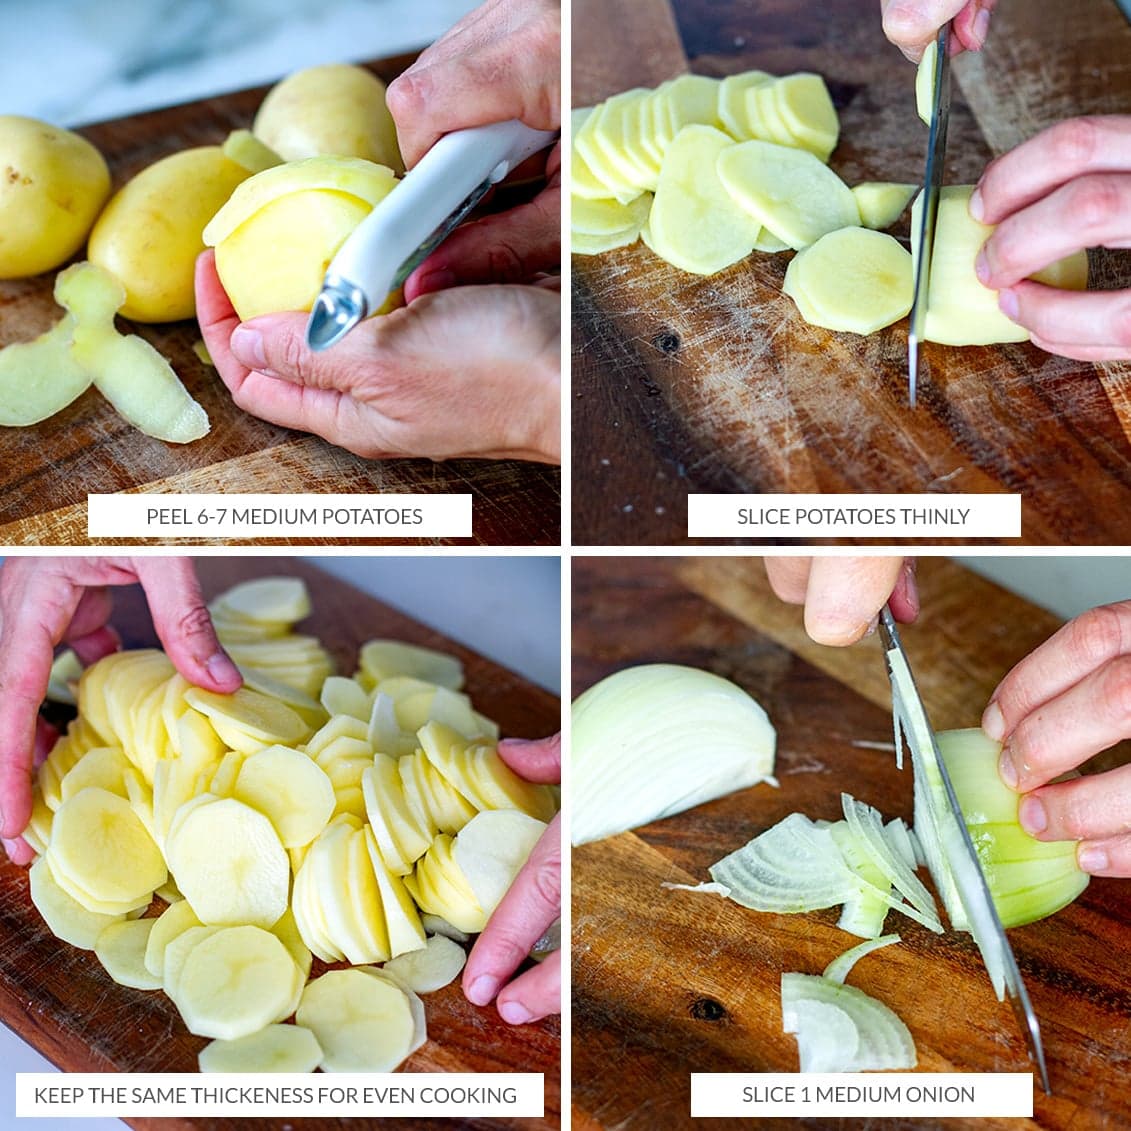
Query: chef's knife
{"type": "Point", "coordinates": [413, 220]}
{"type": "Point", "coordinates": [932, 186]}
{"type": "Point", "coordinates": [961, 858]}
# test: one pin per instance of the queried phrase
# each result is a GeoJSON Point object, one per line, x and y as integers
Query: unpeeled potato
{"type": "Point", "coordinates": [149, 235]}
{"type": "Point", "coordinates": [52, 184]}
{"type": "Point", "coordinates": [335, 110]}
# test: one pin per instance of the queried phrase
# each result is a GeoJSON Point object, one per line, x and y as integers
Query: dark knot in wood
{"type": "Point", "coordinates": [707, 1009]}
{"type": "Point", "coordinates": [667, 341]}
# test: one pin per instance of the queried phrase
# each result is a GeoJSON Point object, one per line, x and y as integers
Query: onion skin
{"type": "Point", "coordinates": [1029, 879]}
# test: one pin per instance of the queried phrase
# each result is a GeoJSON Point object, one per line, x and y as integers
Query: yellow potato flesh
{"type": "Point", "coordinates": [960, 310]}
{"type": "Point", "coordinates": [881, 203]}
{"type": "Point", "coordinates": [335, 109]}
{"type": "Point", "coordinates": [41, 377]}
{"type": "Point", "coordinates": [277, 1048]}
{"type": "Point", "coordinates": [599, 142]}
{"type": "Point", "coordinates": [52, 185]}
{"type": "Point", "coordinates": [121, 950]}
{"type": "Point", "coordinates": [583, 182]}
{"type": "Point", "coordinates": [853, 279]}
{"type": "Point", "coordinates": [695, 223]}
{"type": "Point", "coordinates": [790, 191]}
{"type": "Point", "coordinates": [151, 232]}
{"type": "Point", "coordinates": [262, 718]}
{"type": "Point", "coordinates": [732, 102]}
{"type": "Point", "coordinates": [247, 151]}
{"type": "Point", "coordinates": [807, 112]}
{"type": "Point", "coordinates": [925, 82]}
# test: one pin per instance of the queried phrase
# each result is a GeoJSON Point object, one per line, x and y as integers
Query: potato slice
{"type": "Point", "coordinates": [881, 203]}
{"type": "Point", "coordinates": [807, 112]}
{"type": "Point", "coordinates": [104, 768]}
{"type": "Point", "coordinates": [732, 102]}
{"type": "Point", "coordinates": [68, 919]}
{"type": "Point", "coordinates": [611, 148]}
{"type": "Point", "coordinates": [268, 599]}
{"type": "Point", "coordinates": [425, 971]}
{"type": "Point", "coordinates": [229, 863]}
{"type": "Point", "coordinates": [173, 921]}
{"type": "Point", "coordinates": [304, 705]}
{"type": "Point", "coordinates": [438, 886]}
{"type": "Point", "coordinates": [38, 831]}
{"type": "Point", "coordinates": [287, 932]}
{"type": "Point", "coordinates": [309, 917]}
{"type": "Point", "coordinates": [234, 983]}
{"type": "Point", "coordinates": [690, 100]}
{"type": "Point", "coordinates": [363, 1023]}
{"type": "Point", "coordinates": [121, 950]}
{"type": "Point", "coordinates": [582, 181]}
{"type": "Point", "coordinates": [427, 791]}
{"type": "Point", "coordinates": [266, 720]}
{"type": "Point", "coordinates": [788, 190]}
{"type": "Point", "coordinates": [695, 223]}
{"type": "Point", "coordinates": [380, 659]}
{"type": "Point", "coordinates": [402, 920]}
{"type": "Point", "coordinates": [419, 1020]}
{"type": "Point", "coordinates": [925, 82]}
{"type": "Point", "coordinates": [41, 377]}
{"type": "Point", "coordinates": [293, 793]}
{"type": "Point", "coordinates": [853, 279]}
{"type": "Point", "coordinates": [355, 922]}
{"type": "Point", "coordinates": [477, 772]}
{"type": "Point", "coordinates": [401, 836]}
{"type": "Point", "coordinates": [176, 955]}
{"type": "Point", "coordinates": [765, 117]}
{"type": "Point", "coordinates": [100, 842]}
{"type": "Point", "coordinates": [617, 176]}
{"type": "Point", "coordinates": [224, 776]}
{"type": "Point", "coordinates": [491, 849]}
{"type": "Point", "coordinates": [343, 696]}
{"type": "Point", "coordinates": [609, 217]}
{"type": "Point", "coordinates": [435, 925]}
{"type": "Point", "coordinates": [92, 903]}
{"type": "Point", "coordinates": [276, 1048]}
{"type": "Point", "coordinates": [960, 310]}
{"type": "Point", "coordinates": [128, 371]}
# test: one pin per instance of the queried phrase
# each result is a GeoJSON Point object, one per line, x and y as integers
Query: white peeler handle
{"type": "Point", "coordinates": [440, 182]}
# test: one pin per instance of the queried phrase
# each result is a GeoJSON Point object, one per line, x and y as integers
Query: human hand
{"type": "Point", "coordinates": [473, 371]}
{"type": "Point", "coordinates": [912, 24]}
{"type": "Point", "coordinates": [843, 596]}
{"type": "Point", "coordinates": [531, 905]}
{"type": "Point", "coordinates": [48, 601]}
{"type": "Point", "coordinates": [501, 61]}
{"type": "Point", "coordinates": [1067, 188]}
{"type": "Point", "coordinates": [1068, 700]}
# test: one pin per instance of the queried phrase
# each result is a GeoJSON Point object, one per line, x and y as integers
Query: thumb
{"type": "Point", "coordinates": [536, 760]}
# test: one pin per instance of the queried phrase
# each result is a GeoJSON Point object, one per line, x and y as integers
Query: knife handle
{"type": "Point", "coordinates": [431, 191]}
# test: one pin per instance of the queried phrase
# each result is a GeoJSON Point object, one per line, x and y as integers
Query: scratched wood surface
{"type": "Point", "coordinates": [666, 983]}
{"type": "Point", "coordinates": [61, 1001]}
{"type": "Point", "coordinates": [684, 384]}
{"type": "Point", "coordinates": [47, 470]}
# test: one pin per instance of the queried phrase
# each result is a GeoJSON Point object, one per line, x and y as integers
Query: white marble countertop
{"type": "Point", "coordinates": [77, 61]}
{"type": "Point", "coordinates": [506, 608]}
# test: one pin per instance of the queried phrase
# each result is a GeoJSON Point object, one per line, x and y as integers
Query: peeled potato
{"type": "Point", "coordinates": [262, 718]}
{"type": "Point", "coordinates": [853, 279]}
{"type": "Point", "coordinates": [732, 102]}
{"type": "Point", "coordinates": [695, 223]}
{"type": "Point", "coordinates": [425, 971]}
{"type": "Point", "coordinates": [807, 111]}
{"type": "Point", "coordinates": [67, 918]}
{"type": "Point", "coordinates": [172, 922]}
{"type": "Point", "coordinates": [52, 185]}
{"type": "Point", "coordinates": [402, 837]}
{"type": "Point", "coordinates": [960, 310]}
{"type": "Point", "coordinates": [491, 849]}
{"type": "Point", "coordinates": [402, 920]}
{"type": "Point", "coordinates": [290, 790]}
{"type": "Point", "coordinates": [121, 950]}
{"type": "Point", "coordinates": [925, 82]}
{"type": "Point", "coordinates": [881, 203]}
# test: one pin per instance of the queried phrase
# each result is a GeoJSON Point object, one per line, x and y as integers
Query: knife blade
{"type": "Point", "coordinates": [412, 221]}
{"type": "Point", "coordinates": [954, 841]}
{"type": "Point", "coordinates": [932, 186]}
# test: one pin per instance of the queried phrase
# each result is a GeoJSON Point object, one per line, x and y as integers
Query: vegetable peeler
{"type": "Point", "coordinates": [954, 840]}
{"type": "Point", "coordinates": [932, 187]}
{"type": "Point", "coordinates": [413, 220]}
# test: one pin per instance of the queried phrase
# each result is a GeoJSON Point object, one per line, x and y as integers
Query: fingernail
{"type": "Point", "coordinates": [982, 268]}
{"type": "Point", "coordinates": [993, 723]}
{"type": "Point", "coordinates": [977, 208]}
{"type": "Point", "coordinates": [873, 624]}
{"type": "Point", "coordinates": [1008, 305]}
{"type": "Point", "coordinates": [482, 990]}
{"type": "Point", "coordinates": [221, 668]}
{"type": "Point", "coordinates": [981, 27]}
{"type": "Point", "coordinates": [247, 345]}
{"type": "Point", "coordinates": [1006, 770]}
{"type": "Point", "coordinates": [439, 280]}
{"type": "Point", "coordinates": [2, 829]}
{"type": "Point", "coordinates": [911, 585]}
{"type": "Point", "coordinates": [1032, 816]}
{"type": "Point", "coordinates": [514, 1012]}
{"type": "Point", "coordinates": [1092, 858]}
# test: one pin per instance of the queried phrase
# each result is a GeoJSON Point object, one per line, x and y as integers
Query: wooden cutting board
{"type": "Point", "coordinates": [687, 384]}
{"type": "Point", "coordinates": [666, 983]}
{"type": "Point", "coordinates": [47, 471]}
{"type": "Point", "coordinates": [60, 1000]}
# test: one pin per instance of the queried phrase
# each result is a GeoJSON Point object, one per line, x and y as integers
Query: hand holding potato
{"type": "Point", "coordinates": [531, 905]}
{"type": "Point", "coordinates": [501, 61]}
{"type": "Point", "coordinates": [1065, 189]}
{"type": "Point", "coordinates": [912, 24]}
{"type": "Point", "coordinates": [843, 596]}
{"type": "Point", "coordinates": [45, 601]}
{"type": "Point", "coordinates": [468, 372]}
{"type": "Point", "coordinates": [1058, 707]}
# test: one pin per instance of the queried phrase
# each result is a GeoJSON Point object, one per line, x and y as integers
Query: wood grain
{"type": "Point", "coordinates": [684, 384]}
{"type": "Point", "coordinates": [47, 470]}
{"type": "Point", "coordinates": [59, 999]}
{"type": "Point", "coordinates": [666, 983]}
